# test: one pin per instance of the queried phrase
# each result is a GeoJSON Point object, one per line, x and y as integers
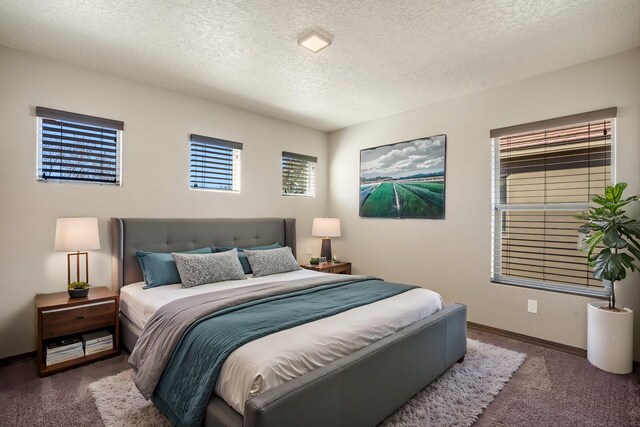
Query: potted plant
{"type": "Point", "coordinates": [612, 242]}
{"type": "Point", "coordinates": [78, 289]}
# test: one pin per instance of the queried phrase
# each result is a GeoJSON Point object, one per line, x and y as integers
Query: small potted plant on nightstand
{"type": "Point", "coordinates": [78, 289]}
{"type": "Point", "coordinates": [616, 237]}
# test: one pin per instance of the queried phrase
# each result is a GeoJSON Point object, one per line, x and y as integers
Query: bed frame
{"type": "Point", "coordinates": [358, 390]}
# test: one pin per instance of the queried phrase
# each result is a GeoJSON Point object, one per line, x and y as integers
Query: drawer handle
{"type": "Point", "coordinates": [80, 317]}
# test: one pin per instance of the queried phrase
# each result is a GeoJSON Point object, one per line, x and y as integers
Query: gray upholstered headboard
{"type": "Point", "coordinates": [129, 235]}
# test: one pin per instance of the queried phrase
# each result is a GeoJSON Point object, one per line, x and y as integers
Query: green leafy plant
{"type": "Point", "coordinates": [314, 261]}
{"type": "Point", "coordinates": [78, 285]}
{"type": "Point", "coordinates": [617, 237]}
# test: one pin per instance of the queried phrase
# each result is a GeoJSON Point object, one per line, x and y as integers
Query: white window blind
{"type": "Point", "coordinates": [214, 164]}
{"type": "Point", "coordinates": [543, 174]}
{"type": "Point", "coordinates": [78, 148]}
{"type": "Point", "coordinates": [298, 175]}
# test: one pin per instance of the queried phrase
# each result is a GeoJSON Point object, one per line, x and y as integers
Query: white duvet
{"type": "Point", "coordinates": [277, 358]}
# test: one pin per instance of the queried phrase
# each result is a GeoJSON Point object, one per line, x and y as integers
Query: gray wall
{"type": "Point", "coordinates": [452, 256]}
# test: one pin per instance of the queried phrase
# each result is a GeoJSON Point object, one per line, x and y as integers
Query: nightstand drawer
{"type": "Point", "coordinates": [76, 319]}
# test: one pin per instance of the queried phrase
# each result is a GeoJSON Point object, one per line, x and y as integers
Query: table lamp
{"type": "Point", "coordinates": [76, 236]}
{"type": "Point", "coordinates": [326, 228]}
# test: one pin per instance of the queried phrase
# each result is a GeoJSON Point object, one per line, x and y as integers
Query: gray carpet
{"type": "Point", "coordinates": [456, 398]}
{"type": "Point", "coordinates": [550, 389]}
{"type": "Point", "coordinates": [557, 389]}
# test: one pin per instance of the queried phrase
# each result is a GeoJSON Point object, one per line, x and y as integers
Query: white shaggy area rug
{"type": "Point", "coordinates": [456, 398]}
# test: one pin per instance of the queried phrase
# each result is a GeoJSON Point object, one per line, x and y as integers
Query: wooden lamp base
{"type": "Point", "coordinates": [77, 255]}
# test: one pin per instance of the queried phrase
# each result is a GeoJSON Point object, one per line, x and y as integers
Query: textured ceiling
{"type": "Point", "coordinates": [387, 56]}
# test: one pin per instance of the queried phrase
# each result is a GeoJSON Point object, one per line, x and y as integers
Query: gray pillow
{"type": "Point", "coordinates": [198, 269]}
{"type": "Point", "coordinates": [272, 261]}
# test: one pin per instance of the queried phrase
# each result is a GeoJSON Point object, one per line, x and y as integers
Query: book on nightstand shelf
{"type": "Point", "coordinates": [96, 342]}
{"type": "Point", "coordinates": [63, 349]}
{"type": "Point", "coordinates": [96, 337]}
{"type": "Point", "coordinates": [63, 344]}
{"type": "Point", "coordinates": [63, 357]}
{"type": "Point", "coordinates": [98, 347]}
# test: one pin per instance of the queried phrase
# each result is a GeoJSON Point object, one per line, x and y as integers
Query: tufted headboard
{"type": "Point", "coordinates": [129, 235]}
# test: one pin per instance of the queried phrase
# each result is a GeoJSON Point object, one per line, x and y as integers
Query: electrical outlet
{"type": "Point", "coordinates": [532, 306]}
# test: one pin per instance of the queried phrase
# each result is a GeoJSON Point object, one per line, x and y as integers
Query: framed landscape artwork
{"type": "Point", "coordinates": [404, 180]}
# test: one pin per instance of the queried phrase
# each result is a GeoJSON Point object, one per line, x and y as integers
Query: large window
{"type": "Point", "coordinates": [214, 164]}
{"type": "Point", "coordinates": [77, 148]}
{"type": "Point", "coordinates": [544, 173]}
{"type": "Point", "coordinates": [298, 175]}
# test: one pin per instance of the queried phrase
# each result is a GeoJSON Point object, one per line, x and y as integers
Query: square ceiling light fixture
{"type": "Point", "coordinates": [314, 41]}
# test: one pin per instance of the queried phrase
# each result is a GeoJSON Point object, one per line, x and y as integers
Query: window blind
{"type": "Point", "coordinates": [298, 174]}
{"type": "Point", "coordinates": [78, 148]}
{"type": "Point", "coordinates": [542, 178]}
{"type": "Point", "coordinates": [214, 164]}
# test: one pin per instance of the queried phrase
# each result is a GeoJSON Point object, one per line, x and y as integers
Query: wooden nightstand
{"type": "Point", "coordinates": [59, 315]}
{"type": "Point", "coordinates": [330, 267]}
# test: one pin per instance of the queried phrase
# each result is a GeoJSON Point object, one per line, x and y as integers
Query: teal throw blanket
{"type": "Point", "coordinates": [188, 381]}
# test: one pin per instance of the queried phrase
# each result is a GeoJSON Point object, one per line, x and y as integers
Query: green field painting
{"type": "Point", "coordinates": [404, 180]}
{"type": "Point", "coordinates": [403, 200]}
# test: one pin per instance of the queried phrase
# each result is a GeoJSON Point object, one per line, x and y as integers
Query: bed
{"type": "Point", "coordinates": [359, 389]}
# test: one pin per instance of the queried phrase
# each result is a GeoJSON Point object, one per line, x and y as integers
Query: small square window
{"type": "Point", "coordinates": [298, 175]}
{"type": "Point", "coordinates": [214, 164]}
{"type": "Point", "coordinates": [77, 148]}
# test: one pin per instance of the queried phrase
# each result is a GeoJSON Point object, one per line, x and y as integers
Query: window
{"type": "Point", "coordinates": [544, 173]}
{"type": "Point", "coordinates": [77, 148]}
{"type": "Point", "coordinates": [298, 175]}
{"type": "Point", "coordinates": [214, 164]}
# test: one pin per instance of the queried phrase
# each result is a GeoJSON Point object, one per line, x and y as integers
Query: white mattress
{"type": "Point", "coordinates": [139, 304]}
{"type": "Point", "coordinates": [277, 358]}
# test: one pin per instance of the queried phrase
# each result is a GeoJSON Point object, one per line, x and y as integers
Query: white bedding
{"type": "Point", "coordinates": [277, 358]}
{"type": "Point", "coordinates": [139, 304]}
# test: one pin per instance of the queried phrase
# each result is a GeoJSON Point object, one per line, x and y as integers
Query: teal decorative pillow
{"type": "Point", "coordinates": [272, 261]}
{"type": "Point", "coordinates": [199, 269]}
{"type": "Point", "coordinates": [159, 268]}
{"type": "Point", "coordinates": [243, 258]}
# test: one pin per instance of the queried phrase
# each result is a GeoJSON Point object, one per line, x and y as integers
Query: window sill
{"type": "Point", "coordinates": [564, 289]}
{"type": "Point", "coordinates": [215, 190]}
{"type": "Point", "coordinates": [307, 196]}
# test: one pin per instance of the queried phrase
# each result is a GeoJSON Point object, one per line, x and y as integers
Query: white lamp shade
{"type": "Point", "coordinates": [77, 234]}
{"type": "Point", "coordinates": [326, 227]}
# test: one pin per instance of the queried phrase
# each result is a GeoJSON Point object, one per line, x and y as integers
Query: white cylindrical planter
{"type": "Point", "coordinates": [610, 338]}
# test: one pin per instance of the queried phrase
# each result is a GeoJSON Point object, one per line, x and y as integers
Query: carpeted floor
{"type": "Point", "coordinates": [551, 388]}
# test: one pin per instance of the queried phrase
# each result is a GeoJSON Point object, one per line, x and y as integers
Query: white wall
{"type": "Point", "coordinates": [452, 256]}
{"type": "Point", "coordinates": [154, 174]}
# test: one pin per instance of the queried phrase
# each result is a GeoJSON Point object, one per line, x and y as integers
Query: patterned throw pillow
{"type": "Point", "coordinates": [159, 269]}
{"type": "Point", "coordinates": [208, 268]}
{"type": "Point", "coordinates": [243, 258]}
{"type": "Point", "coordinates": [272, 261]}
